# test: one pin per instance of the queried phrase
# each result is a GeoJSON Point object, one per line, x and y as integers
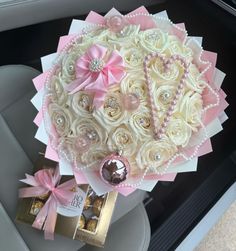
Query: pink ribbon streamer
{"type": "Point", "coordinates": [43, 182]}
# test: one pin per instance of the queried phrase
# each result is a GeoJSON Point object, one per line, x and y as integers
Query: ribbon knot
{"type": "Point", "coordinates": [43, 182]}
{"type": "Point", "coordinates": [95, 71]}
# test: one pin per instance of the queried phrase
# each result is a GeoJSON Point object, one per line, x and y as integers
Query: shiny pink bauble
{"type": "Point", "coordinates": [115, 23]}
{"type": "Point", "coordinates": [114, 169]}
{"type": "Point", "coordinates": [131, 102]}
{"type": "Point", "coordinates": [82, 144]}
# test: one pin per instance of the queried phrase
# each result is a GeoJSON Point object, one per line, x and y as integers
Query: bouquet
{"type": "Point", "coordinates": [127, 101]}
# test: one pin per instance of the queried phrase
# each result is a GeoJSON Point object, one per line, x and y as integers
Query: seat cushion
{"type": "Point", "coordinates": [19, 150]}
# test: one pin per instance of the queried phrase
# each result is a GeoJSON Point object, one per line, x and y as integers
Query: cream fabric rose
{"type": "Point", "coordinates": [160, 76]}
{"type": "Point", "coordinates": [140, 123]}
{"type": "Point", "coordinates": [111, 114]}
{"type": "Point", "coordinates": [122, 139]}
{"type": "Point", "coordinates": [61, 118]}
{"type": "Point", "coordinates": [178, 131]}
{"type": "Point", "coordinates": [98, 35]}
{"type": "Point", "coordinates": [128, 31]}
{"type": "Point", "coordinates": [67, 73]}
{"type": "Point", "coordinates": [194, 81]}
{"type": "Point", "coordinates": [58, 95]}
{"type": "Point", "coordinates": [133, 58]}
{"type": "Point", "coordinates": [94, 156]}
{"type": "Point", "coordinates": [163, 95]}
{"type": "Point", "coordinates": [153, 40]}
{"type": "Point", "coordinates": [89, 128]}
{"type": "Point", "coordinates": [124, 38]}
{"type": "Point", "coordinates": [135, 83]}
{"type": "Point", "coordinates": [154, 154]}
{"type": "Point", "coordinates": [81, 104]}
{"type": "Point", "coordinates": [191, 108]}
{"type": "Point", "coordinates": [177, 47]}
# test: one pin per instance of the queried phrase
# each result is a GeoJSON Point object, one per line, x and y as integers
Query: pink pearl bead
{"type": "Point", "coordinates": [82, 144]}
{"type": "Point", "coordinates": [159, 135]}
{"type": "Point", "coordinates": [173, 103]}
{"type": "Point", "coordinates": [178, 92]}
{"type": "Point", "coordinates": [169, 112]}
{"type": "Point", "coordinates": [115, 23]}
{"type": "Point", "coordinates": [161, 130]}
{"type": "Point", "coordinates": [181, 81]}
{"type": "Point", "coordinates": [166, 119]}
{"type": "Point", "coordinates": [164, 124]}
{"type": "Point", "coordinates": [131, 101]}
{"type": "Point", "coordinates": [172, 107]}
{"type": "Point", "coordinates": [181, 86]}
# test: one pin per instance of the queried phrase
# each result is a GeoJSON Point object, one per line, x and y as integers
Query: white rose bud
{"type": "Point", "coordinates": [140, 123]}
{"type": "Point", "coordinates": [154, 154]}
{"type": "Point", "coordinates": [61, 118]}
{"type": "Point", "coordinates": [58, 95]}
{"type": "Point", "coordinates": [121, 138]}
{"type": "Point", "coordinates": [89, 128]}
{"type": "Point", "coordinates": [136, 84]}
{"type": "Point", "coordinates": [82, 103]}
{"type": "Point", "coordinates": [112, 113]}
{"type": "Point", "coordinates": [191, 109]}
{"type": "Point", "coordinates": [153, 40]}
{"type": "Point", "coordinates": [178, 131]}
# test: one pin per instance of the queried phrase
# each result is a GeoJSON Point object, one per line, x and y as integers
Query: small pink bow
{"type": "Point", "coordinates": [95, 71]}
{"type": "Point", "coordinates": [43, 182]}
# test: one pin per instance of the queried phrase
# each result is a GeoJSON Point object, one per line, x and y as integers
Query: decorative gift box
{"type": "Point", "coordinates": [86, 218]}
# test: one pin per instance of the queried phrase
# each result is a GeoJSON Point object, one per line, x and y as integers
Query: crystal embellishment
{"type": "Point", "coordinates": [96, 65]}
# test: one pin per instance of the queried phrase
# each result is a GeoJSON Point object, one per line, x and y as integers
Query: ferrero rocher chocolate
{"type": "Point", "coordinates": [97, 205]}
{"type": "Point", "coordinates": [91, 225]}
{"type": "Point", "coordinates": [44, 196]}
{"type": "Point", "coordinates": [82, 222]}
{"type": "Point", "coordinates": [36, 206]}
{"type": "Point", "coordinates": [87, 203]}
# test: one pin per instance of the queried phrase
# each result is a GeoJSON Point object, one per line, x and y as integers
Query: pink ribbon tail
{"type": "Point", "coordinates": [78, 84]}
{"type": "Point", "coordinates": [50, 222]}
{"type": "Point", "coordinates": [27, 192]}
{"type": "Point", "coordinates": [41, 216]}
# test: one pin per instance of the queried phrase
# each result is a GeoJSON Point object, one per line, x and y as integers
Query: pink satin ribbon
{"type": "Point", "coordinates": [43, 182]}
{"type": "Point", "coordinates": [97, 82]}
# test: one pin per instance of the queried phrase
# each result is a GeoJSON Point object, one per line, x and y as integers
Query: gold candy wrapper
{"type": "Point", "coordinates": [90, 227]}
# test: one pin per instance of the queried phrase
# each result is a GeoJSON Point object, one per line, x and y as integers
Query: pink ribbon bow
{"type": "Point", "coordinates": [95, 71]}
{"type": "Point", "coordinates": [43, 182]}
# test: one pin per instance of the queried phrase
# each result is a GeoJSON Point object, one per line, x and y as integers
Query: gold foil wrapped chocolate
{"type": "Point", "coordinates": [36, 207]}
{"type": "Point", "coordinates": [91, 225]}
{"type": "Point", "coordinates": [44, 196]}
{"type": "Point", "coordinates": [87, 203]}
{"type": "Point", "coordinates": [82, 222]}
{"type": "Point", "coordinates": [97, 206]}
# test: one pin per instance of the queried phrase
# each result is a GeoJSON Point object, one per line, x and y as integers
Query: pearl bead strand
{"type": "Point", "coordinates": [158, 132]}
